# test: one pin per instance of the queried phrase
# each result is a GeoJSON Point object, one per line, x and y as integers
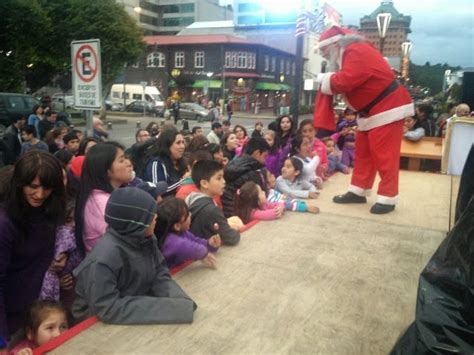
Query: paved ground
{"type": "Point", "coordinates": [341, 282]}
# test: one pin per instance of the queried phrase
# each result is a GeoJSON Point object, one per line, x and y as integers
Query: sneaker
{"type": "Point", "coordinates": [349, 197]}
{"type": "Point", "coordinates": [380, 208]}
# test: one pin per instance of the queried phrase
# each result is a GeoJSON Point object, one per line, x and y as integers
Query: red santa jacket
{"type": "Point", "coordinates": [363, 76]}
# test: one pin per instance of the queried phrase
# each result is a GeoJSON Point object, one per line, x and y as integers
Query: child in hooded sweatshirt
{"type": "Point", "coordinates": [208, 175]}
{"type": "Point", "coordinates": [124, 279]}
{"type": "Point", "coordinates": [290, 183]}
{"type": "Point", "coordinates": [290, 203]}
{"type": "Point", "coordinates": [176, 241]}
{"type": "Point", "coordinates": [251, 203]}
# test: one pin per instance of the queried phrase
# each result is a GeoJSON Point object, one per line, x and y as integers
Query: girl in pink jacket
{"type": "Point", "coordinates": [251, 203]}
{"type": "Point", "coordinates": [307, 130]}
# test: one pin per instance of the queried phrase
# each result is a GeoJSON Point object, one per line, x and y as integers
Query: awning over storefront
{"type": "Point", "coordinates": [272, 86]}
{"type": "Point", "coordinates": [211, 84]}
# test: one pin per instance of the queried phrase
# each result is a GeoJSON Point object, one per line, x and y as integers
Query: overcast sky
{"type": "Point", "coordinates": [442, 30]}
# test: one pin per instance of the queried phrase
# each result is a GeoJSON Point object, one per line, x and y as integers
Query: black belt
{"type": "Point", "coordinates": [388, 90]}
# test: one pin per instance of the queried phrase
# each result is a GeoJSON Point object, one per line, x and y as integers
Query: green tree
{"type": "Point", "coordinates": [23, 26]}
{"type": "Point", "coordinates": [430, 76]}
{"type": "Point", "coordinates": [51, 25]}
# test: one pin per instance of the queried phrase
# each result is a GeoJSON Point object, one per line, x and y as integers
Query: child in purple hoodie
{"type": "Point", "coordinates": [276, 155]}
{"type": "Point", "coordinates": [175, 240]}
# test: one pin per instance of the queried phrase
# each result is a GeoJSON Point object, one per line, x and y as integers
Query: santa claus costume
{"type": "Point", "coordinates": [369, 87]}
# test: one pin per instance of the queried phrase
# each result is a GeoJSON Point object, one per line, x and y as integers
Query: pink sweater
{"type": "Point", "coordinates": [94, 218]}
{"type": "Point", "coordinates": [267, 213]}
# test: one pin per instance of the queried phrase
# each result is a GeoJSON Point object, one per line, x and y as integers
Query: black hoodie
{"type": "Point", "coordinates": [238, 172]}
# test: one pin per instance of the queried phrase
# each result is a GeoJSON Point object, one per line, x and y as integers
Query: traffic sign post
{"type": "Point", "coordinates": [86, 77]}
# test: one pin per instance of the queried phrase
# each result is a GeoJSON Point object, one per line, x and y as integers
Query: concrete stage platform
{"type": "Point", "coordinates": [341, 282]}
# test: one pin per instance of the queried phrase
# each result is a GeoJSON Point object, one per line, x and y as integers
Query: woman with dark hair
{"type": "Point", "coordinates": [165, 160]}
{"type": "Point", "coordinates": [54, 139]}
{"type": "Point", "coordinates": [229, 145]}
{"type": "Point", "coordinates": [105, 169]}
{"type": "Point", "coordinates": [32, 205]}
{"type": "Point", "coordinates": [242, 138]}
{"type": "Point", "coordinates": [86, 144]}
{"type": "Point", "coordinates": [285, 130]}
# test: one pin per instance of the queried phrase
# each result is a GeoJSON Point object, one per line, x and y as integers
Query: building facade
{"type": "Point", "coordinates": [168, 17]}
{"type": "Point", "coordinates": [397, 32]}
{"type": "Point", "coordinates": [200, 68]}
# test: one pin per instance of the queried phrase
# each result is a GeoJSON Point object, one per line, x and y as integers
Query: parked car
{"type": "Point", "coordinates": [61, 103]}
{"type": "Point", "coordinates": [12, 104]}
{"type": "Point", "coordinates": [193, 111]}
{"type": "Point", "coordinates": [137, 106]}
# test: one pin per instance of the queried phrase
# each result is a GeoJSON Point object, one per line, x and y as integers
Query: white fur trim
{"type": "Point", "coordinates": [386, 117]}
{"type": "Point", "coordinates": [326, 83]}
{"type": "Point", "coordinates": [387, 200]}
{"type": "Point", "coordinates": [359, 191]}
{"type": "Point", "coordinates": [329, 41]}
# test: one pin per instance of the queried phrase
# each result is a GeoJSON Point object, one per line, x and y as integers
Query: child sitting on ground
{"type": "Point", "coordinates": [124, 279]}
{"type": "Point", "coordinates": [251, 203]}
{"type": "Point", "coordinates": [290, 182]}
{"type": "Point", "coordinates": [334, 157]}
{"type": "Point", "coordinates": [176, 242]}
{"type": "Point", "coordinates": [44, 321]}
{"type": "Point", "coordinates": [208, 175]}
{"type": "Point", "coordinates": [276, 156]}
{"type": "Point", "coordinates": [302, 150]}
{"type": "Point", "coordinates": [290, 203]}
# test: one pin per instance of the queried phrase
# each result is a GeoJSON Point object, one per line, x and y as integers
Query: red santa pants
{"type": "Point", "coordinates": [378, 150]}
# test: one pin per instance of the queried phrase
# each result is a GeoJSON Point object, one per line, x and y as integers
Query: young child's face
{"type": "Point", "coordinates": [305, 148]}
{"type": "Point", "coordinates": [285, 124]}
{"type": "Point", "coordinates": [219, 156]}
{"type": "Point", "coordinates": [288, 171]}
{"type": "Point", "coordinates": [259, 127]}
{"type": "Point", "coordinates": [198, 133]}
{"type": "Point", "coordinates": [54, 325]}
{"type": "Point", "coordinates": [270, 139]}
{"type": "Point", "coordinates": [73, 146]}
{"type": "Point", "coordinates": [409, 122]}
{"type": "Point", "coordinates": [330, 146]}
{"type": "Point", "coordinates": [216, 184]}
{"type": "Point", "coordinates": [349, 116]}
{"type": "Point", "coordinates": [308, 131]}
{"type": "Point", "coordinates": [271, 180]}
{"type": "Point", "coordinates": [232, 142]}
{"type": "Point", "coordinates": [262, 199]}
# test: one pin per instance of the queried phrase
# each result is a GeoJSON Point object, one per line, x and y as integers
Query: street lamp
{"type": "Point", "coordinates": [406, 50]}
{"type": "Point", "coordinates": [383, 21]}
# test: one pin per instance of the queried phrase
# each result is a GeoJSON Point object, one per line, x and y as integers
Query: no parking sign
{"type": "Point", "coordinates": [86, 74]}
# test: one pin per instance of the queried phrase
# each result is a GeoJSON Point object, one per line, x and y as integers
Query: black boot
{"type": "Point", "coordinates": [380, 208]}
{"type": "Point", "coordinates": [349, 197]}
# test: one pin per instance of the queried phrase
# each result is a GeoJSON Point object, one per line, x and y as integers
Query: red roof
{"type": "Point", "coordinates": [202, 39]}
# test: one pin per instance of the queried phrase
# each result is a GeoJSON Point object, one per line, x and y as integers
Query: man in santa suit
{"type": "Point", "coordinates": [368, 86]}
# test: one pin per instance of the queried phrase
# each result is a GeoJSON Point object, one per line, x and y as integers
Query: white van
{"type": "Point", "coordinates": [134, 92]}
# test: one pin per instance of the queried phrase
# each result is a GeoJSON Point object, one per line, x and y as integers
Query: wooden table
{"type": "Point", "coordinates": [425, 148]}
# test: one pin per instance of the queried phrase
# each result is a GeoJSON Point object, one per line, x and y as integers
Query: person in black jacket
{"type": "Point", "coordinates": [249, 167]}
{"type": "Point", "coordinates": [424, 119]}
{"type": "Point", "coordinates": [12, 139]}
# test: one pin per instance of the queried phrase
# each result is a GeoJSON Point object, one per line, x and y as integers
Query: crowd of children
{"type": "Point", "coordinates": [95, 227]}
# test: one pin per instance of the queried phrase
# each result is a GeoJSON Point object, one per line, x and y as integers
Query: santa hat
{"type": "Point", "coordinates": [332, 35]}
